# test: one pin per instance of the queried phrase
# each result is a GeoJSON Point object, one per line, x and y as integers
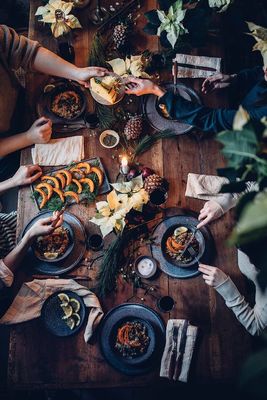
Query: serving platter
{"type": "Point", "coordinates": [36, 265]}
{"type": "Point", "coordinates": [125, 312]}
{"type": "Point", "coordinates": [155, 117]}
{"type": "Point", "coordinates": [166, 264]}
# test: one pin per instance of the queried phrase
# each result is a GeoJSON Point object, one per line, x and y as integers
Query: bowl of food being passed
{"type": "Point", "coordinates": [175, 241]}
{"type": "Point", "coordinates": [133, 340]}
{"type": "Point", "coordinates": [107, 90]}
{"type": "Point", "coordinates": [66, 101]}
{"type": "Point", "coordinates": [55, 247]}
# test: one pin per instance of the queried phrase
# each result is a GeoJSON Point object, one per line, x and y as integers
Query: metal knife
{"type": "Point", "coordinates": [173, 351]}
{"type": "Point", "coordinates": [180, 352]}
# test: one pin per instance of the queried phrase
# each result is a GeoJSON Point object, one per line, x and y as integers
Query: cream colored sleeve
{"type": "Point", "coordinates": [6, 276]}
{"type": "Point", "coordinates": [254, 319]}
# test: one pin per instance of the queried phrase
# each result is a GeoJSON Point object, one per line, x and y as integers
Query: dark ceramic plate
{"type": "Point", "coordinates": [67, 252]}
{"type": "Point", "coordinates": [157, 119]}
{"type": "Point", "coordinates": [138, 312]}
{"type": "Point", "coordinates": [199, 237]}
{"type": "Point", "coordinates": [167, 264]}
{"type": "Point", "coordinates": [69, 262]}
{"type": "Point", "coordinates": [52, 314]}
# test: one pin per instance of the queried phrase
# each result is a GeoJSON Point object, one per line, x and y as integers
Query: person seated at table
{"type": "Point", "coordinates": [10, 253]}
{"type": "Point", "coordinates": [15, 52]}
{"type": "Point", "coordinates": [254, 319]}
{"type": "Point", "coordinates": [251, 81]}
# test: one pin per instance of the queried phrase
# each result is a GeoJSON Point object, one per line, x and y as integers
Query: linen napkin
{"type": "Point", "coordinates": [28, 303]}
{"type": "Point", "coordinates": [179, 348]}
{"type": "Point", "coordinates": [59, 151]}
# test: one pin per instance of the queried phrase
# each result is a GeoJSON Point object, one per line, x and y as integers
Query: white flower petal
{"type": "Point", "coordinates": [118, 66]}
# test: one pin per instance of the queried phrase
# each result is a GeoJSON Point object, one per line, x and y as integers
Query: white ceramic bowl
{"type": "Point", "coordinates": [110, 133]}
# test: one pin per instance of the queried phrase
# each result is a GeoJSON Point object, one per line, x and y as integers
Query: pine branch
{"type": "Point", "coordinates": [105, 115]}
{"type": "Point", "coordinates": [97, 55]}
{"type": "Point", "coordinates": [149, 140]}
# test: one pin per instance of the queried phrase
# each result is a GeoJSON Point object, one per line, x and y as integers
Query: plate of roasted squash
{"type": "Point", "coordinates": [75, 183]}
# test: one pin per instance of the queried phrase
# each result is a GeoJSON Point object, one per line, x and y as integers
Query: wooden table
{"type": "Point", "coordinates": [37, 360]}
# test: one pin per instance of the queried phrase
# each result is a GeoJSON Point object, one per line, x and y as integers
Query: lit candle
{"type": "Point", "coordinates": [124, 165]}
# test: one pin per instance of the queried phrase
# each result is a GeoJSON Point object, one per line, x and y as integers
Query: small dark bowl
{"type": "Point", "coordinates": [201, 242]}
{"type": "Point", "coordinates": [61, 88]}
{"type": "Point", "coordinates": [137, 360]}
{"type": "Point", "coordinates": [67, 252]}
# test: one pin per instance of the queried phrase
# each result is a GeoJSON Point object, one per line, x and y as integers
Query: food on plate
{"type": "Point", "coordinates": [54, 245]}
{"type": "Point", "coordinates": [109, 140]}
{"type": "Point", "coordinates": [89, 182]}
{"type": "Point", "coordinates": [67, 104]}
{"type": "Point", "coordinates": [107, 87]}
{"type": "Point", "coordinates": [99, 174]}
{"type": "Point", "coordinates": [79, 182]}
{"type": "Point", "coordinates": [48, 187]}
{"type": "Point", "coordinates": [70, 308]}
{"type": "Point", "coordinates": [177, 242]}
{"type": "Point", "coordinates": [132, 339]}
{"type": "Point", "coordinates": [51, 179]}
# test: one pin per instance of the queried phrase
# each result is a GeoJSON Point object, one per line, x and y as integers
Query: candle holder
{"type": "Point", "coordinates": [124, 170]}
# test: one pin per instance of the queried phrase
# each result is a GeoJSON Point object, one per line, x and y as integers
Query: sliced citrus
{"type": "Point", "coordinates": [72, 194]}
{"type": "Point", "coordinates": [44, 197]}
{"type": "Point", "coordinates": [75, 304]}
{"type": "Point", "coordinates": [71, 323]}
{"type": "Point", "coordinates": [50, 255]}
{"type": "Point", "coordinates": [89, 182]}
{"type": "Point", "coordinates": [67, 175]}
{"type": "Point", "coordinates": [49, 87]}
{"type": "Point", "coordinates": [51, 179]}
{"type": "Point", "coordinates": [181, 229]}
{"type": "Point", "coordinates": [60, 194]}
{"type": "Point", "coordinates": [99, 174]}
{"type": "Point", "coordinates": [62, 179]}
{"type": "Point", "coordinates": [48, 187]}
{"type": "Point", "coordinates": [68, 311]}
{"type": "Point", "coordinates": [84, 165]}
{"type": "Point", "coordinates": [80, 189]}
{"type": "Point", "coordinates": [64, 298]}
{"type": "Point", "coordinates": [76, 318]}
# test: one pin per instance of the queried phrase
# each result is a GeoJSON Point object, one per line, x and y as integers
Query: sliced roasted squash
{"type": "Point", "coordinates": [48, 187]}
{"type": "Point", "coordinates": [72, 194]}
{"type": "Point", "coordinates": [78, 171]}
{"type": "Point", "coordinates": [176, 246]}
{"type": "Point", "coordinates": [99, 174]}
{"type": "Point", "coordinates": [51, 179]}
{"type": "Point", "coordinates": [62, 179]}
{"type": "Point", "coordinates": [59, 193]}
{"type": "Point", "coordinates": [84, 165]}
{"type": "Point", "coordinates": [80, 189]}
{"type": "Point", "coordinates": [169, 246]}
{"type": "Point", "coordinates": [44, 197]}
{"type": "Point", "coordinates": [89, 182]}
{"type": "Point", "coordinates": [67, 175]}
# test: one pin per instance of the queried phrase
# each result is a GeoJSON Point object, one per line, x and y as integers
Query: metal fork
{"type": "Point", "coordinates": [193, 253]}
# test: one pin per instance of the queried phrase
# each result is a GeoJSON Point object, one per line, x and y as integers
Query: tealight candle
{"type": "Point", "coordinates": [145, 266]}
{"type": "Point", "coordinates": [124, 165]}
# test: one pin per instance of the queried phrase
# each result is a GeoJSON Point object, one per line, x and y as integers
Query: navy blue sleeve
{"type": "Point", "coordinates": [247, 78]}
{"type": "Point", "coordinates": [204, 118]}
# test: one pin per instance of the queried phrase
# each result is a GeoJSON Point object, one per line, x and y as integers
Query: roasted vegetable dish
{"type": "Point", "coordinates": [54, 245]}
{"type": "Point", "coordinates": [75, 183]}
{"type": "Point", "coordinates": [177, 242]}
{"type": "Point", "coordinates": [66, 104]}
{"type": "Point", "coordinates": [132, 339]}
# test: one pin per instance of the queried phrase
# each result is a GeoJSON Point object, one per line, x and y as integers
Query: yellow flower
{"type": "Point", "coordinates": [57, 13]}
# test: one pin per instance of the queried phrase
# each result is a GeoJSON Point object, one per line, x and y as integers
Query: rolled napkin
{"type": "Point", "coordinates": [179, 348]}
{"type": "Point", "coordinates": [59, 151]}
{"type": "Point", "coordinates": [28, 303]}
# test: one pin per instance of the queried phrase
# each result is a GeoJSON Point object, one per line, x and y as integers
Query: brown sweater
{"type": "Point", "coordinates": [15, 51]}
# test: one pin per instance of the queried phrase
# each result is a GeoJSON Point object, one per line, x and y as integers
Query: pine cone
{"type": "Point", "coordinates": [120, 35]}
{"type": "Point", "coordinates": [133, 127]}
{"type": "Point", "coordinates": [153, 182]}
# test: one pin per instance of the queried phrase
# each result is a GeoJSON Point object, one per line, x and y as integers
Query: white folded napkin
{"type": "Point", "coordinates": [59, 151]}
{"type": "Point", "coordinates": [175, 362]}
{"type": "Point", "coordinates": [28, 303]}
{"type": "Point", "coordinates": [205, 187]}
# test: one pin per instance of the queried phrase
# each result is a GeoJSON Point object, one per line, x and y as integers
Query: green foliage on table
{"type": "Point", "coordinates": [149, 140]}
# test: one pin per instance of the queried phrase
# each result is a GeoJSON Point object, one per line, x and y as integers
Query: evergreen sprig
{"type": "Point", "coordinates": [149, 140]}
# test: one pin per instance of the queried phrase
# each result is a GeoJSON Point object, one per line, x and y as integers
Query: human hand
{"type": "Point", "coordinates": [140, 87]}
{"type": "Point", "coordinates": [26, 174]}
{"type": "Point", "coordinates": [83, 75]}
{"type": "Point", "coordinates": [217, 81]}
{"type": "Point", "coordinates": [44, 226]}
{"type": "Point", "coordinates": [212, 276]}
{"type": "Point", "coordinates": [211, 211]}
{"type": "Point", "coordinates": [40, 131]}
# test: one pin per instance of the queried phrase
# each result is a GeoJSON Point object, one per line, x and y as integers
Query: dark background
{"type": "Point", "coordinates": [238, 46]}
